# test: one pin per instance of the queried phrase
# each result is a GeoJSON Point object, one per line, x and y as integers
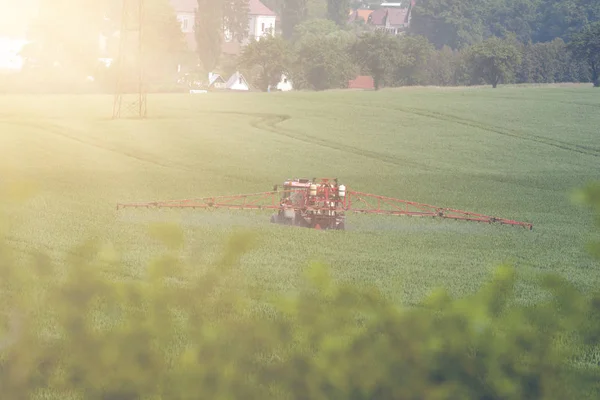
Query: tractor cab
{"type": "Point", "coordinates": [295, 191]}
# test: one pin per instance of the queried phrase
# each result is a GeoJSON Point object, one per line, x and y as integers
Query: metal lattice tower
{"type": "Point", "coordinates": [130, 91]}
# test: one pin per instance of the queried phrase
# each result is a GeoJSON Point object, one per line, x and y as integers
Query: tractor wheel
{"type": "Point", "coordinates": [274, 219]}
{"type": "Point", "coordinates": [341, 227]}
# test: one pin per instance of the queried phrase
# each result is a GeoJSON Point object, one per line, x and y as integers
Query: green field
{"type": "Point", "coordinates": [512, 152]}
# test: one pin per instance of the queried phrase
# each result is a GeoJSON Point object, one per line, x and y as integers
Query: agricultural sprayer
{"type": "Point", "coordinates": [322, 204]}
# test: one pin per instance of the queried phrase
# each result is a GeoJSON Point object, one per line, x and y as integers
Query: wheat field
{"type": "Point", "coordinates": [512, 152]}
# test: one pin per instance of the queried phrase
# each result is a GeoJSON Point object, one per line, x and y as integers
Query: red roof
{"type": "Point", "coordinates": [394, 16]}
{"type": "Point", "coordinates": [360, 14]}
{"type": "Point", "coordinates": [258, 8]}
{"type": "Point", "coordinates": [362, 82]}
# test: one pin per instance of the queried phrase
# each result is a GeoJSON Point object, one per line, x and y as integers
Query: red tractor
{"type": "Point", "coordinates": [323, 204]}
{"type": "Point", "coordinates": [312, 204]}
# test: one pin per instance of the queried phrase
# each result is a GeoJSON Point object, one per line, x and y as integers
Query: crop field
{"type": "Point", "coordinates": [512, 152]}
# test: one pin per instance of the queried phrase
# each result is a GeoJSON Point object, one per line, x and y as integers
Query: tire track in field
{"type": "Point", "coordinates": [538, 99]}
{"type": "Point", "coordinates": [587, 150]}
{"type": "Point", "coordinates": [59, 131]}
{"type": "Point", "coordinates": [506, 132]}
{"type": "Point", "coordinates": [262, 121]}
{"type": "Point", "coordinates": [270, 123]}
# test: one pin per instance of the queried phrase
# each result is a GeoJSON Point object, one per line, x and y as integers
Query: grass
{"type": "Point", "coordinates": [512, 152]}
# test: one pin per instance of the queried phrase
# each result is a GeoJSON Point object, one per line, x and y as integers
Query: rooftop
{"type": "Point", "coordinates": [258, 8]}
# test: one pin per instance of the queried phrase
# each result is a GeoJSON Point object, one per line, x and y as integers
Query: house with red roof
{"type": "Point", "coordinates": [261, 22]}
{"type": "Point", "coordinates": [364, 82]}
{"type": "Point", "coordinates": [361, 14]}
{"type": "Point", "coordinates": [393, 18]}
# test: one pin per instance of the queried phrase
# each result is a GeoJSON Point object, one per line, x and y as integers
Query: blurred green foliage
{"type": "Point", "coordinates": [79, 330]}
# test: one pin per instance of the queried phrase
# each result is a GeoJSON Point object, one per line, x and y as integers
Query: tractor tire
{"type": "Point", "coordinates": [341, 227]}
{"type": "Point", "coordinates": [274, 219]}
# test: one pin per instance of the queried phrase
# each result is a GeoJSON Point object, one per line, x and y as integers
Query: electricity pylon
{"type": "Point", "coordinates": [130, 91]}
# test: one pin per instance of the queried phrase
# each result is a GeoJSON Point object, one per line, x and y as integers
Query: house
{"type": "Point", "coordinates": [216, 81]}
{"type": "Point", "coordinates": [393, 18]}
{"type": "Point", "coordinates": [261, 22]}
{"type": "Point", "coordinates": [285, 85]}
{"type": "Point", "coordinates": [237, 82]}
{"type": "Point", "coordinates": [360, 15]}
{"type": "Point", "coordinates": [362, 82]}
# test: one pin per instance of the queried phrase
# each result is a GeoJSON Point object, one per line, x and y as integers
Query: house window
{"type": "Point", "coordinates": [240, 80]}
{"type": "Point", "coordinates": [263, 26]}
{"type": "Point", "coordinates": [184, 24]}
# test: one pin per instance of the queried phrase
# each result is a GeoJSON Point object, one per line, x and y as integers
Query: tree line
{"type": "Point", "coordinates": [448, 44]}
{"type": "Point", "coordinates": [321, 55]}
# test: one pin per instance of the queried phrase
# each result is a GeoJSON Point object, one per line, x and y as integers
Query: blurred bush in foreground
{"type": "Point", "coordinates": [78, 331]}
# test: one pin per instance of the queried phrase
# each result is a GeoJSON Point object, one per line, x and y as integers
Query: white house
{"type": "Point", "coordinates": [237, 82]}
{"type": "Point", "coordinates": [216, 81]}
{"type": "Point", "coordinates": [285, 85]}
{"type": "Point", "coordinates": [261, 22]}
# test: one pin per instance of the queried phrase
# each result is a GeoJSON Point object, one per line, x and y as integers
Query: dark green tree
{"type": "Point", "coordinates": [209, 33]}
{"type": "Point", "coordinates": [293, 13]}
{"type": "Point", "coordinates": [270, 55]}
{"type": "Point", "coordinates": [442, 67]}
{"type": "Point", "coordinates": [337, 11]}
{"type": "Point", "coordinates": [454, 23]}
{"type": "Point", "coordinates": [377, 54]}
{"type": "Point", "coordinates": [323, 62]}
{"type": "Point", "coordinates": [517, 17]}
{"type": "Point", "coordinates": [214, 20]}
{"type": "Point", "coordinates": [416, 51]}
{"type": "Point", "coordinates": [585, 46]}
{"type": "Point", "coordinates": [318, 27]}
{"type": "Point", "coordinates": [563, 18]}
{"type": "Point", "coordinates": [495, 60]}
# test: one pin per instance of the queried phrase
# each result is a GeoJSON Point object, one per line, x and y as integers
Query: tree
{"type": "Point", "coordinates": [271, 55]}
{"type": "Point", "coordinates": [337, 11]}
{"type": "Point", "coordinates": [66, 34]}
{"type": "Point", "coordinates": [208, 32]}
{"type": "Point", "coordinates": [454, 23]}
{"type": "Point", "coordinates": [585, 46]}
{"type": "Point", "coordinates": [65, 38]}
{"type": "Point", "coordinates": [318, 27]}
{"type": "Point", "coordinates": [416, 51]}
{"type": "Point", "coordinates": [293, 13]}
{"type": "Point", "coordinates": [163, 43]}
{"type": "Point", "coordinates": [214, 20]}
{"type": "Point", "coordinates": [495, 60]}
{"type": "Point", "coordinates": [323, 62]}
{"type": "Point", "coordinates": [377, 54]}
{"type": "Point", "coordinates": [563, 18]}
{"type": "Point", "coordinates": [442, 67]}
